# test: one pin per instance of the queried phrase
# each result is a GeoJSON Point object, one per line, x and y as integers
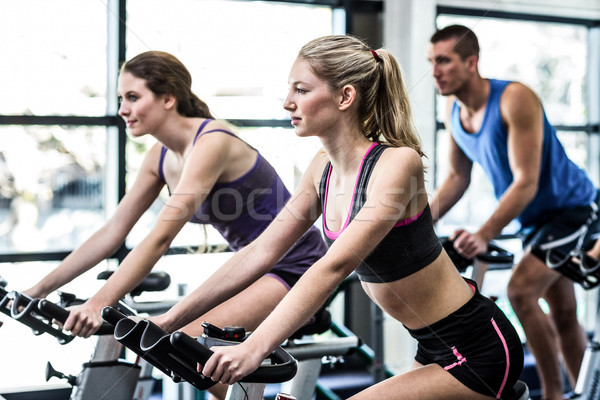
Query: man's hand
{"type": "Point", "coordinates": [468, 244]}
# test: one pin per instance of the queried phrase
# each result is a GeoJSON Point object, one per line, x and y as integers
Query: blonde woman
{"type": "Point", "coordinates": [368, 184]}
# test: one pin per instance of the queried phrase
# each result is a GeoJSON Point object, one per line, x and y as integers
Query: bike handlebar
{"type": "Point", "coordinates": [25, 310]}
{"type": "Point", "coordinates": [54, 310]}
{"type": "Point", "coordinates": [39, 314]}
{"type": "Point", "coordinates": [177, 355]}
{"type": "Point", "coordinates": [282, 369]}
{"type": "Point", "coordinates": [494, 255]}
{"type": "Point", "coordinates": [61, 314]}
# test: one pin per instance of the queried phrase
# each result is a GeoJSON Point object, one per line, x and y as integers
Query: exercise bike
{"type": "Point", "coordinates": [495, 258]}
{"type": "Point", "coordinates": [106, 375]}
{"type": "Point", "coordinates": [177, 355]}
{"type": "Point", "coordinates": [585, 272]}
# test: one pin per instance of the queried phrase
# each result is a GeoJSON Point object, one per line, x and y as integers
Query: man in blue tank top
{"type": "Point", "coordinates": [502, 126]}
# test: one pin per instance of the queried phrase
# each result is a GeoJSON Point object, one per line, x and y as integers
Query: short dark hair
{"type": "Point", "coordinates": [466, 40]}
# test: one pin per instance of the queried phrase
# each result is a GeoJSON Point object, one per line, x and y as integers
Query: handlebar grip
{"type": "Point", "coordinates": [26, 310]}
{"type": "Point", "coordinates": [153, 344]}
{"type": "Point", "coordinates": [196, 350]}
{"type": "Point", "coordinates": [112, 315]}
{"type": "Point", "coordinates": [493, 255]}
{"type": "Point", "coordinates": [4, 301]}
{"type": "Point", "coordinates": [283, 369]}
{"type": "Point", "coordinates": [496, 254]}
{"type": "Point", "coordinates": [53, 310]}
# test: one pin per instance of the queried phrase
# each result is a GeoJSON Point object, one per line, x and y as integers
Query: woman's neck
{"type": "Point", "coordinates": [346, 152]}
{"type": "Point", "coordinates": [177, 134]}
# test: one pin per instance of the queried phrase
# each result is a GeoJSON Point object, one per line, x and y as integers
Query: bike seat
{"type": "Point", "coordinates": [519, 391]}
{"type": "Point", "coordinates": [319, 323]}
{"type": "Point", "coordinates": [154, 282]}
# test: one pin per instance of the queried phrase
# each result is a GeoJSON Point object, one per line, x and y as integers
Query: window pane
{"type": "Point", "coordinates": [53, 57]}
{"type": "Point", "coordinates": [577, 146]}
{"type": "Point", "coordinates": [238, 52]}
{"type": "Point", "coordinates": [51, 186]}
{"type": "Point", "coordinates": [521, 53]}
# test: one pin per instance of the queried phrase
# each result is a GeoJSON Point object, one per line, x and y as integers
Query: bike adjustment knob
{"type": "Point", "coordinates": [51, 372]}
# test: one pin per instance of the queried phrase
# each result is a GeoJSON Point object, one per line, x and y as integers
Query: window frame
{"type": "Point", "coordinates": [115, 180]}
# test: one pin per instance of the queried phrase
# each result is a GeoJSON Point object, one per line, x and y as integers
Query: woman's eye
{"type": "Point", "coordinates": [132, 97]}
{"type": "Point", "coordinates": [301, 91]}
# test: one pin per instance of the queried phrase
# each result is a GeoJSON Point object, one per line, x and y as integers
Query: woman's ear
{"type": "Point", "coordinates": [169, 101]}
{"type": "Point", "coordinates": [347, 98]}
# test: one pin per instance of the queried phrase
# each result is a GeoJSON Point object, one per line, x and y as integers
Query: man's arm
{"type": "Point", "coordinates": [458, 178]}
{"type": "Point", "coordinates": [454, 185]}
{"type": "Point", "coordinates": [522, 114]}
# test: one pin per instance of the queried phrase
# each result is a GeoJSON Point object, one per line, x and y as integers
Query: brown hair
{"type": "Point", "coordinates": [165, 74]}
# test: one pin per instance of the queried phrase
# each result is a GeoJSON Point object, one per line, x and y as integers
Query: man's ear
{"type": "Point", "coordinates": [347, 98]}
{"type": "Point", "coordinates": [472, 62]}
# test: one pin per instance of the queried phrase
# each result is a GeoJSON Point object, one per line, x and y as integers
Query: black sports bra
{"type": "Point", "coordinates": [411, 244]}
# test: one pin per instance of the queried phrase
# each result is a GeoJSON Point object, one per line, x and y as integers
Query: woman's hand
{"type": "Point", "coordinates": [84, 320]}
{"type": "Point", "coordinates": [229, 364]}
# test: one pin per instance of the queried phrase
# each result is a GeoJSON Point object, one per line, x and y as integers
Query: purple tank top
{"type": "Point", "coordinates": [241, 209]}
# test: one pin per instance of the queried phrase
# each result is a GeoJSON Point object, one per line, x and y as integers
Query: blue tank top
{"type": "Point", "coordinates": [562, 184]}
{"type": "Point", "coordinates": [411, 244]}
{"type": "Point", "coordinates": [241, 209]}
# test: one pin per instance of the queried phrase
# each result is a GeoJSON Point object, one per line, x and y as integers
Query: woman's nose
{"type": "Point", "coordinates": [288, 104]}
{"type": "Point", "coordinates": [123, 110]}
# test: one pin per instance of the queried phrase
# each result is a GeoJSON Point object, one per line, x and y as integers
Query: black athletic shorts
{"type": "Point", "coordinates": [477, 344]}
{"type": "Point", "coordinates": [555, 225]}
